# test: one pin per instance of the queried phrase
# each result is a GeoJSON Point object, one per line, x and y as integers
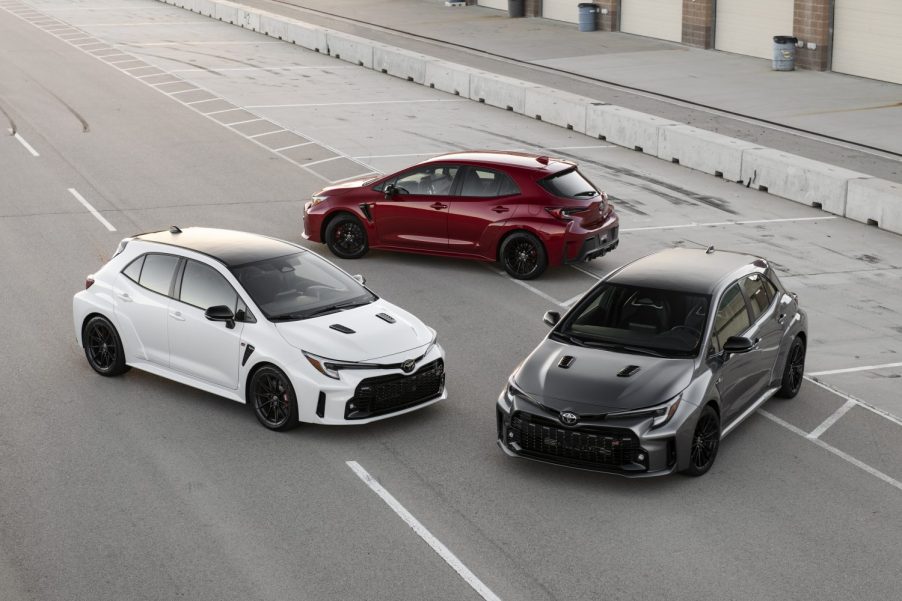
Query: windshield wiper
{"type": "Point", "coordinates": [568, 338]}
{"type": "Point", "coordinates": [621, 347]}
{"type": "Point", "coordinates": [587, 193]}
{"type": "Point", "coordinates": [337, 307]}
{"type": "Point", "coordinates": [287, 317]}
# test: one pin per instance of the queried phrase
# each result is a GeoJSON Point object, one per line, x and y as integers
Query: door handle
{"type": "Point", "coordinates": [124, 296]}
{"type": "Point", "coordinates": [438, 206]}
{"type": "Point", "coordinates": [177, 315]}
{"type": "Point", "coordinates": [500, 209]}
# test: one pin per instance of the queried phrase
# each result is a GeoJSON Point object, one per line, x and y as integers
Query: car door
{"type": "Point", "coordinates": [487, 198]}
{"type": "Point", "coordinates": [766, 329]}
{"type": "Point", "coordinates": [207, 350]}
{"type": "Point", "coordinates": [142, 292]}
{"type": "Point", "coordinates": [415, 216]}
{"type": "Point", "coordinates": [737, 373]}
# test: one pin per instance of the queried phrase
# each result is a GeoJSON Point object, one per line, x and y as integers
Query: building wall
{"type": "Point", "coordinates": [698, 23]}
{"type": "Point", "coordinates": [811, 24]}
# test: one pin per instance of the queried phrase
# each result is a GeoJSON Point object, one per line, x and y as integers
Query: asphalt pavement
{"type": "Point", "coordinates": [139, 488]}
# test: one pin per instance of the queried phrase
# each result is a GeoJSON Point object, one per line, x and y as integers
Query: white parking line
{"type": "Point", "coordinates": [862, 404]}
{"type": "Point", "coordinates": [151, 44]}
{"type": "Point", "coordinates": [276, 68]}
{"type": "Point", "coordinates": [523, 284]}
{"type": "Point", "coordinates": [849, 370]}
{"type": "Point", "coordinates": [290, 147]}
{"type": "Point", "coordinates": [27, 146]}
{"type": "Point", "coordinates": [367, 103]}
{"type": "Point", "coordinates": [240, 122]}
{"type": "Point", "coordinates": [857, 463]}
{"type": "Point", "coordinates": [430, 539]}
{"type": "Point", "coordinates": [834, 417]}
{"type": "Point", "coordinates": [716, 223]}
{"type": "Point", "coordinates": [311, 164]}
{"type": "Point", "coordinates": [267, 133]}
{"type": "Point", "coordinates": [91, 209]}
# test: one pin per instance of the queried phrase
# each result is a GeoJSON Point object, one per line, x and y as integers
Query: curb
{"type": "Point", "coordinates": [839, 191]}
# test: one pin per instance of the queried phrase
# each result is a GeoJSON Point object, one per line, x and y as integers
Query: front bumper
{"type": "Point", "coordinates": [623, 447]}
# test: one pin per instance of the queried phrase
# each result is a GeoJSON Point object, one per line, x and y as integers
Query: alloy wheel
{"type": "Point", "coordinates": [348, 237]}
{"type": "Point", "coordinates": [102, 346]}
{"type": "Point", "coordinates": [272, 399]}
{"type": "Point", "coordinates": [521, 257]}
{"type": "Point", "coordinates": [705, 441]}
{"type": "Point", "coordinates": [796, 366]}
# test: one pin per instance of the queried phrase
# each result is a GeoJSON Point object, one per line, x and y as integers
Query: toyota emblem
{"type": "Point", "coordinates": [408, 366]}
{"type": "Point", "coordinates": [569, 418]}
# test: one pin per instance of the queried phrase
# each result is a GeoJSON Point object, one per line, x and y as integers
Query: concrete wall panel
{"type": "Point", "coordinates": [350, 48]}
{"type": "Point", "coordinates": [500, 91]}
{"type": "Point", "coordinates": [449, 77]}
{"type": "Point", "coordinates": [876, 201]}
{"type": "Point", "coordinates": [703, 150]}
{"type": "Point", "coordinates": [400, 63]}
{"type": "Point", "coordinates": [560, 108]}
{"type": "Point", "coordinates": [626, 127]}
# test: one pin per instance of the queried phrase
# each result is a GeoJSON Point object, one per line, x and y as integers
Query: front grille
{"type": "Point", "coordinates": [591, 447]}
{"type": "Point", "coordinates": [386, 394]}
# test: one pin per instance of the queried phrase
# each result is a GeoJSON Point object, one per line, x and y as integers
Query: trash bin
{"type": "Point", "coordinates": [516, 8]}
{"type": "Point", "coordinates": [588, 13]}
{"type": "Point", "coordinates": [784, 53]}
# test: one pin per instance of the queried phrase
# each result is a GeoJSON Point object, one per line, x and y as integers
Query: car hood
{"type": "Point", "coordinates": [372, 336]}
{"type": "Point", "coordinates": [357, 183]}
{"type": "Point", "coordinates": [591, 384]}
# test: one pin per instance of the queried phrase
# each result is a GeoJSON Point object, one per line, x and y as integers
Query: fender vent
{"type": "Point", "coordinates": [566, 362]}
{"type": "Point", "coordinates": [343, 329]}
{"type": "Point", "coordinates": [628, 371]}
{"type": "Point", "coordinates": [386, 317]}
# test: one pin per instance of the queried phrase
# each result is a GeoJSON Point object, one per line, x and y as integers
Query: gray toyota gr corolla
{"type": "Point", "coordinates": [655, 364]}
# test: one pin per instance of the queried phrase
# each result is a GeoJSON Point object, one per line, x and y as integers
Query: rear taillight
{"type": "Point", "coordinates": [89, 281]}
{"type": "Point", "coordinates": [564, 213]}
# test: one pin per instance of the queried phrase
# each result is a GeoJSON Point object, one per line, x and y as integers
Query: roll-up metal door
{"type": "Point", "coordinates": [867, 38]}
{"type": "Point", "coordinates": [562, 10]}
{"type": "Point", "coordinates": [749, 26]}
{"type": "Point", "coordinates": [661, 19]}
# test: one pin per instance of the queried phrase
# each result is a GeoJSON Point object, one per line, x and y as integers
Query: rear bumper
{"type": "Point", "coordinates": [584, 245]}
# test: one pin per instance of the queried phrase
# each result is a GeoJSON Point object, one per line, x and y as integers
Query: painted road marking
{"type": "Point", "coordinates": [277, 68]}
{"type": "Point", "coordinates": [290, 147]}
{"type": "Point", "coordinates": [862, 404]}
{"type": "Point", "coordinates": [430, 539]}
{"type": "Point", "coordinates": [370, 102]}
{"type": "Point", "coordinates": [27, 146]}
{"type": "Point", "coordinates": [267, 133]}
{"type": "Point", "coordinates": [91, 209]}
{"type": "Point", "coordinates": [716, 223]}
{"type": "Point", "coordinates": [849, 370]}
{"type": "Point", "coordinates": [523, 284]}
{"type": "Point", "coordinates": [825, 425]}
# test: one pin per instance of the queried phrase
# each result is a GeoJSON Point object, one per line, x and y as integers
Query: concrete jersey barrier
{"type": "Point", "coordinates": [834, 189]}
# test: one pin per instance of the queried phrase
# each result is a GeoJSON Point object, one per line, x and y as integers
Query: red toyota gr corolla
{"type": "Point", "coordinates": [523, 210]}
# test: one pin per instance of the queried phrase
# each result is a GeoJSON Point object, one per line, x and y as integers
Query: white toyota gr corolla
{"type": "Point", "coordinates": [259, 321]}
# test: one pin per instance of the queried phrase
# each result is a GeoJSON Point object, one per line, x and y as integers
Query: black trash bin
{"type": "Point", "coordinates": [588, 15]}
{"type": "Point", "coordinates": [784, 53]}
{"type": "Point", "coordinates": [516, 8]}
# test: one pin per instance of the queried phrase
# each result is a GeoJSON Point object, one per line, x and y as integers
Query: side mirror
{"type": "Point", "coordinates": [221, 313]}
{"type": "Point", "coordinates": [551, 318]}
{"type": "Point", "coordinates": [389, 190]}
{"type": "Point", "coordinates": [360, 279]}
{"type": "Point", "coordinates": [738, 344]}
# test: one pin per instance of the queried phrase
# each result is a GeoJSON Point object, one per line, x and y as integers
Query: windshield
{"type": "Point", "coordinates": [637, 319]}
{"type": "Point", "coordinates": [569, 184]}
{"type": "Point", "coordinates": [300, 286]}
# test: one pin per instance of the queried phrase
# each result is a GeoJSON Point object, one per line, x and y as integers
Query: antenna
{"type": "Point", "coordinates": [710, 250]}
{"type": "Point", "coordinates": [174, 229]}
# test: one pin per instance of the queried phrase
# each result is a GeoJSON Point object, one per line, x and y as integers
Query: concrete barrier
{"type": "Point", "coordinates": [560, 108]}
{"type": "Point", "coordinates": [703, 150]}
{"type": "Point", "coordinates": [796, 178]}
{"type": "Point", "coordinates": [350, 48]}
{"type": "Point", "coordinates": [248, 19]}
{"type": "Point", "coordinates": [226, 12]}
{"type": "Point", "coordinates": [400, 63]}
{"type": "Point", "coordinates": [875, 202]}
{"type": "Point", "coordinates": [626, 127]}
{"type": "Point", "coordinates": [497, 90]}
{"type": "Point", "coordinates": [205, 7]}
{"type": "Point", "coordinates": [449, 77]}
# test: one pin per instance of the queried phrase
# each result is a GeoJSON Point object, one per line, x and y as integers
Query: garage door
{"type": "Point", "coordinates": [499, 4]}
{"type": "Point", "coordinates": [562, 10]}
{"type": "Point", "coordinates": [661, 19]}
{"type": "Point", "coordinates": [749, 26]}
{"type": "Point", "coordinates": [867, 38]}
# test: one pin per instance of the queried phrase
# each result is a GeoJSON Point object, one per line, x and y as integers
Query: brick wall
{"type": "Point", "coordinates": [610, 21]}
{"type": "Point", "coordinates": [811, 24]}
{"type": "Point", "coordinates": [698, 23]}
{"type": "Point", "coordinates": [533, 8]}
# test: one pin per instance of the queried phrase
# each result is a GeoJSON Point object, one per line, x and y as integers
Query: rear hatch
{"type": "Point", "coordinates": [575, 198]}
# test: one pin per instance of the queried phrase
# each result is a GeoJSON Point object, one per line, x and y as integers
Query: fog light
{"type": "Point", "coordinates": [352, 406]}
{"type": "Point", "coordinates": [510, 433]}
{"type": "Point", "coordinates": [641, 456]}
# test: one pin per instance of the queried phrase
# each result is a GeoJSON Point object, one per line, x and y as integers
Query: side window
{"type": "Point", "coordinates": [484, 183]}
{"type": "Point", "coordinates": [157, 272]}
{"type": "Point", "coordinates": [433, 180]}
{"type": "Point", "coordinates": [753, 286]}
{"type": "Point", "coordinates": [204, 287]}
{"type": "Point", "coordinates": [133, 271]}
{"type": "Point", "coordinates": [732, 317]}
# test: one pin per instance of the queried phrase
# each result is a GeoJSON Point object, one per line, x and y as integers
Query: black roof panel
{"type": "Point", "coordinates": [686, 269]}
{"type": "Point", "coordinates": [228, 246]}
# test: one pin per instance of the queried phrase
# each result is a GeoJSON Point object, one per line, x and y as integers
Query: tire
{"type": "Point", "coordinates": [523, 256]}
{"type": "Point", "coordinates": [103, 347]}
{"type": "Point", "coordinates": [273, 399]}
{"type": "Point", "coordinates": [705, 443]}
{"type": "Point", "coordinates": [346, 237]}
{"type": "Point", "coordinates": [794, 371]}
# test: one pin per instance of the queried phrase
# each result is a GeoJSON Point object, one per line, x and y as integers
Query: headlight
{"type": "Point", "coordinates": [318, 198]}
{"type": "Point", "coordinates": [331, 367]}
{"type": "Point", "coordinates": [660, 415]}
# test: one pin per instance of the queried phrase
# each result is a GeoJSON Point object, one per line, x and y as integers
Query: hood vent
{"type": "Point", "coordinates": [343, 329]}
{"type": "Point", "coordinates": [386, 317]}
{"type": "Point", "coordinates": [628, 371]}
{"type": "Point", "coordinates": [566, 361]}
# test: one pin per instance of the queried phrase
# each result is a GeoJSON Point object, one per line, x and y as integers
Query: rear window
{"type": "Point", "coordinates": [569, 184]}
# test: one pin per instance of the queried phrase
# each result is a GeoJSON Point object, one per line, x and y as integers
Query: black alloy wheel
{"type": "Point", "coordinates": [523, 256]}
{"type": "Point", "coordinates": [103, 348]}
{"type": "Point", "coordinates": [346, 237]}
{"type": "Point", "coordinates": [794, 372]}
{"type": "Point", "coordinates": [273, 399]}
{"type": "Point", "coordinates": [705, 442]}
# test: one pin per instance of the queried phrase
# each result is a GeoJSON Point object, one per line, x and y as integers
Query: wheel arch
{"type": "Point", "coordinates": [518, 230]}
{"type": "Point", "coordinates": [335, 215]}
{"type": "Point", "coordinates": [89, 317]}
